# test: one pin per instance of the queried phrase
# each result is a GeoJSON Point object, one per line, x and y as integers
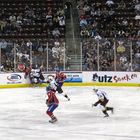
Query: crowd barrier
{"type": "Point", "coordinates": [15, 80]}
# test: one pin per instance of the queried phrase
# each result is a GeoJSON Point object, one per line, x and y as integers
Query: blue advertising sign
{"type": "Point", "coordinates": [73, 76]}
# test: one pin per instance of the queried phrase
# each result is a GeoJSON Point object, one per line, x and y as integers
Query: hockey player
{"type": "Point", "coordinates": [60, 78]}
{"type": "Point", "coordinates": [51, 101]}
{"type": "Point", "coordinates": [36, 76]}
{"type": "Point", "coordinates": [25, 69]}
{"type": "Point", "coordinates": [102, 101]}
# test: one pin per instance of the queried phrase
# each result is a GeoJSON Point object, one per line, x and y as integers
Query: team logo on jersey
{"type": "Point", "coordinates": [14, 77]}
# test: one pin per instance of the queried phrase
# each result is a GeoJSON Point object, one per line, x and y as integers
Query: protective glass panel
{"type": "Point", "coordinates": [123, 54]}
{"type": "Point", "coordinates": [89, 52]}
{"type": "Point", "coordinates": [56, 55]}
{"type": "Point", "coordinates": [106, 55]}
{"type": "Point", "coordinates": [7, 56]}
{"type": "Point", "coordinates": [23, 53]}
{"type": "Point", "coordinates": [136, 55]}
{"type": "Point", "coordinates": [39, 55]}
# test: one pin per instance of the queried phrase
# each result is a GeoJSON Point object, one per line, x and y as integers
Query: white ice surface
{"type": "Point", "coordinates": [22, 115]}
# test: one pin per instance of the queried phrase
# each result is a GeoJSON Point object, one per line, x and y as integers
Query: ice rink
{"type": "Point", "coordinates": [22, 115]}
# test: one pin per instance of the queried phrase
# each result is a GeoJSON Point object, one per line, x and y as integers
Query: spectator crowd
{"type": "Point", "coordinates": [31, 32]}
{"type": "Point", "coordinates": [110, 34]}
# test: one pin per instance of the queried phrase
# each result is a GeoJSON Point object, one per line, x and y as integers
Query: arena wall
{"type": "Point", "coordinates": [14, 80]}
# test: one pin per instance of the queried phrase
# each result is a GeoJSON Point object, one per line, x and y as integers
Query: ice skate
{"type": "Point", "coordinates": [112, 110]}
{"type": "Point", "coordinates": [106, 116]}
{"type": "Point", "coordinates": [53, 120]}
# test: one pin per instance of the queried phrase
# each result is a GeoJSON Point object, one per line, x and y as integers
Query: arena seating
{"type": "Point", "coordinates": [33, 27]}
{"type": "Point", "coordinates": [110, 32]}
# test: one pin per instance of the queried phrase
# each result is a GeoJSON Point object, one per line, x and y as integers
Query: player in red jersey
{"type": "Point", "coordinates": [51, 101]}
{"type": "Point", "coordinates": [60, 78]}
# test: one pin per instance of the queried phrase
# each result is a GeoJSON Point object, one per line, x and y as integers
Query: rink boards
{"type": "Point", "coordinates": [91, 78]}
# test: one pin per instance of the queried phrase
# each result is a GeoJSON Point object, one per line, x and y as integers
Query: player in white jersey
{"type": "Point", "coordinates": [36, 76]}
{"type": "Point", "coordinates": [51, 83]}
{"type": "Point", "coordinates": [102, 101]}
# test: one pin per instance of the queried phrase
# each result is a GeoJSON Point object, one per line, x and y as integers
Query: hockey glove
{"type": "Point", "coordinates": [93, 105]}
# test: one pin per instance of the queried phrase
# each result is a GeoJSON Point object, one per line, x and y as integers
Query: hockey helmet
{"type": "Point", "coordinates": [21, 67]}
{"type": "Point", "coordinates": [50, 78]}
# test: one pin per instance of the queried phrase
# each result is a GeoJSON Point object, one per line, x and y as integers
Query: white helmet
{"type": "Point", "coordinates": [50, 78]}
{"type": "Point", "coordinates": [95, 89]}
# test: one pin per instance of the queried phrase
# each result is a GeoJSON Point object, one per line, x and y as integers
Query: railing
{"type": "Point", "coordinates": [48, 56]}
{"type": "Point", "coordinates": [111, 54]}
{"type": "Point", "coordinates": [96, 55]}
